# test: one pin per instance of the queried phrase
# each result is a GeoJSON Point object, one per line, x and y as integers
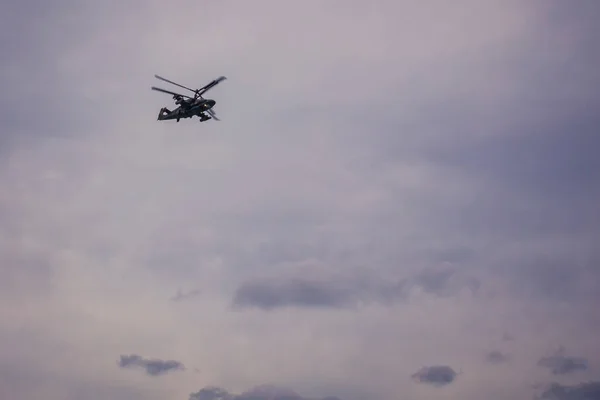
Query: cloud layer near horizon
{"type": "Point", "coordinates": [395, 189]}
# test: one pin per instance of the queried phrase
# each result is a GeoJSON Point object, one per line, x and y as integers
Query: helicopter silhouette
{"type": "Point", "coordinates": [188, 106]}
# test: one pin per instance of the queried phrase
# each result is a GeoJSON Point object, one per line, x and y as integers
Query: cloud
{"type": "Point", "coordinates": [295, 292]}
{"type": "Point", "coordinates": [445, 281]}
{"type": "Point", "coordinates": [561, 364]}
{"type": "Point", "coordinates": [348, 291]}
{"type": "Point", "coordinates": [180, 296]}
{"type": "Point", "coordinates": [263, 392]}
{"type": "Point", "coordinates": [583, 391]}
{"type": "Point", "coordinates": [496, 357]}
{"type": "Point", "coordinates": [153, 367]}
{"type": "Point", "coordinates": [438, 375]}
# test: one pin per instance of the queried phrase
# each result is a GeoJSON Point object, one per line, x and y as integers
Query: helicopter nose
{"type": "Point", "coordinates": [211, 103]}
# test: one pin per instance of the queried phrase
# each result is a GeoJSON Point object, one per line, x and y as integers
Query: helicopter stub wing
{"type": "Point", "coordinates": [212, 114]}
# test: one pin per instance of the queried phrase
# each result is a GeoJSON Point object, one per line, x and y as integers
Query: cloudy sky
{"type": "Point", "coordinates": [400, 202]}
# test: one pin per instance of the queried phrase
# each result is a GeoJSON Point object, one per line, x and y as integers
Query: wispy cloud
{"type": "Point", "coordinates": [180, 296]}
{"type": "Point", "coordinates": [153, 367]}
{"type": "Point", "coordinates": [585, 390]}
{"type": "Point", "coordinates": [496, 357]}
{"type": "Point", "coordinates": [560, 363]}
{"type": "Point", "coordinates": [349, 292]}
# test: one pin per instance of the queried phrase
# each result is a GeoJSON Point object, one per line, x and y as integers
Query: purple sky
{"type": "Point", "coordinates": [402, 201]}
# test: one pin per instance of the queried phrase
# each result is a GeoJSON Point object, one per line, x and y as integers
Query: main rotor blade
{"type": "Point", "coordinates": [210, 85]}
{"type": "Point", "coordinates": [169, 92]}
{"type": "Point", "coordinates": [212, 114]}
{"type": "Point", "coordinates": [173, 83]}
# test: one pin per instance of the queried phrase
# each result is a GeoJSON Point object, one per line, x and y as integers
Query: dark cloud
{"type": "Point", "coordinates": [526, 184]}
{"type": "Point", "coordinates": [295, 292]}
{"type": "Point", "coordinates": [437, 375]}
{"type": "Point", "coordinates": [211, 393]}
{"type": "Point", "coordinates": [338, 293]}
{"type": "Point", "coordinates": [582, 391]}
{"type": "Point", "coordinates": [496, 357]}
{"type": "Point", "coordinates": [558, 161]}
{"type": "Point", "coordinates": [532, 164]}
{"type": "Point", "coordinates": [153, 367]}
{"type": "Point", "coordinates": [561, 364]}
{"type": "Point", "coordinates": [263, 392]}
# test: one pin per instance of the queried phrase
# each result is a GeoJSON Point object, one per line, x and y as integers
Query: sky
{"type": "Point", "coordinates": [399, 202]}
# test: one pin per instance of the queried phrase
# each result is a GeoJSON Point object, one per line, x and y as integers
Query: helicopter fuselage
{"type": "Point", "coordinates": [188, 109]}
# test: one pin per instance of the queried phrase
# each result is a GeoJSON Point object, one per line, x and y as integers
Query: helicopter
{"type": "Point", "coordinates": [188, 106]}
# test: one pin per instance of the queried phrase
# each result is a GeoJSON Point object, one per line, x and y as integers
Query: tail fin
{"type": "Point", "coordinates": [162, 112]}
